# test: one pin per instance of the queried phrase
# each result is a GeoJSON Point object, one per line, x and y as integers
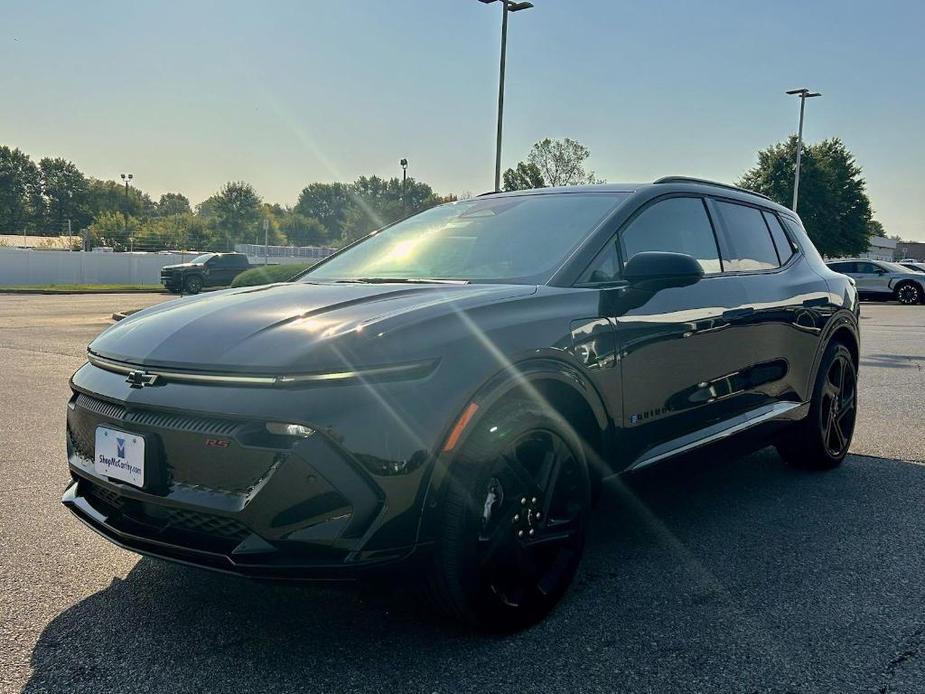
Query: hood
{"type": "Point", "coordinates": [295, 326]}
{"type": "Point", "coordinates": [178, 266]}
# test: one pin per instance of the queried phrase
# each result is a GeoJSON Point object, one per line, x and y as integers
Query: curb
{"type": "Point", "coordinates": [65, 292]}
{"type": "Point", "coordinates": [124, 314]}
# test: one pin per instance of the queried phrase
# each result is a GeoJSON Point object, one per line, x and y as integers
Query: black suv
{"type": "Point", "coordinates": [207, 270]}
{"type": "Point", "coordinates": [448, 394]}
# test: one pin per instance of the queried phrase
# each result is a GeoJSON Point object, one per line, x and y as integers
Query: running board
{"type": "Point", "coordinates": [785, 411]}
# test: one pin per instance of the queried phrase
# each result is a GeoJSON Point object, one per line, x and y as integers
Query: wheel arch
{"type": "Point", "coordinates": [559, 385]}
{"type": "Point", "coordinates": [842, 328]}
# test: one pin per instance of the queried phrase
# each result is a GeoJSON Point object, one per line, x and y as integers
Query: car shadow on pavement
{"type": "Point", "coordinates": [699, 576]}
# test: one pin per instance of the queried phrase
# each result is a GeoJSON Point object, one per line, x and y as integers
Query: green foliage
{"type": "Point", "coordinates": [173, 203]}
{"type": "Point", "coordinates": [326, 202]}
{"type": "Point", "coordinates": [561, 162]}
{"type": "Point", "coordinates": [268, 274]}
{"type": "Point", "coordinates": [65, 190]}
{"type": "Point", "coordinates": [22, 207]}
{"type": "Point", "coordinates": [300, 230]}
{"type": "Point", "coordinates": [833, 203]}
{"type": "Point", "coordinates": [235, 210]}
{"type": "Point", "coordinates": [525, 176]}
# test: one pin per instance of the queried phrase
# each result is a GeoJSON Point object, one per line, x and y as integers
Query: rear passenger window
{"type": "Point", "coordinates": [748, 238]}
{"type": "Point", "coordinates": [678, 225]}
{"type": "Point", "coordinates": [780, 238]}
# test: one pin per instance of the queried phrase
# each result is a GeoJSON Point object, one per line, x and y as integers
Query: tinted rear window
{"type": "Point", "coordinates": [780, 238]}
{"type": "Point", "coordinates": [748, 239]}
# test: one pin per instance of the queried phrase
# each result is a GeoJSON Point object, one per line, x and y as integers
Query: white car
{"type": "Point", "coordinates": [878, 279]}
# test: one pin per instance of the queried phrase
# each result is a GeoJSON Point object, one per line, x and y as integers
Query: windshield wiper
{"type": "Point", "coordinates": [401, 280]}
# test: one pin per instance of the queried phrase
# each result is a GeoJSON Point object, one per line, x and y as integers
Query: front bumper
{"type": "Point", "coordinates": [258, 505]}
{"type": "Point", "coordinates": [171, 281]}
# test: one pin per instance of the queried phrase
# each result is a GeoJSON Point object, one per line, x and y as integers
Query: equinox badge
{"type": "Point", "coordinates": [140, 379]}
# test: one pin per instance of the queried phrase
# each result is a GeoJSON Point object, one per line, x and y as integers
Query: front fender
{"type": "Point", "coordinates": [522, 376]}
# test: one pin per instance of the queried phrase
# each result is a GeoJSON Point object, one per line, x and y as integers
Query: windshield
{"type": "Point", "coordinates": [894, 267]}
{"type": "Point", "coordinates": [201, 259]}
{"type": "Point", "coordinates": [512, 239]}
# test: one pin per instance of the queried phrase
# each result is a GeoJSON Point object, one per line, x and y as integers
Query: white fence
{"type": "Point", "coordinates": [284, 254]}
{"type": "Point", "coordinates": [64, 267]}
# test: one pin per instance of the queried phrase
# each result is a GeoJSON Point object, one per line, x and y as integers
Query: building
{"type": "Point", "coordinates": [880, 248]}
{"type": "Point", "coordinates": [911, 249]}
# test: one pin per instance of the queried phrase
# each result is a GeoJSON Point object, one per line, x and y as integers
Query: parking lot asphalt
{"type": "Point", "coordinates": [718, 575]}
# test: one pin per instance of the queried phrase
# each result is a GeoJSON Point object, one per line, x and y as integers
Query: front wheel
{"type": "Point", "coordinates": [193, 284]}
{"type": "Point", "coordinates": [821, 441]}
{"type": "Point", "coordinates": [908, 293]}
{"type": "Point", "coordinates": [514, 519]}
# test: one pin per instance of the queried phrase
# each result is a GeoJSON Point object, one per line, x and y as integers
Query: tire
{"type": "Point", "coordinates": [193, 284]}
{"type": "Point", "coordinates": [821, 441]}
{"type": "Point", "coordinates": [508, 548]}
{"type": "Point", "coordinates": [908, 293]}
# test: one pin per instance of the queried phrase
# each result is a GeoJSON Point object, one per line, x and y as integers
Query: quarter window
{"type": "Point", "coordinates": [748, 238]}
{"type": "Point", "coordinates": [678, 225]}
{"type": "Point", "coordinates": [779, 236]}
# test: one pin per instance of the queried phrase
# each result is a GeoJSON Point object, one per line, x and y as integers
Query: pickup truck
{"type": "Point", "coordinates": [207, 270]}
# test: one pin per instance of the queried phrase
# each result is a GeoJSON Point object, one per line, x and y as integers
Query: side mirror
{"type": "Point", "coordinates": [660, 270]}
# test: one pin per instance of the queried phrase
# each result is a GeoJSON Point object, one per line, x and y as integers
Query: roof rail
{"type": "Point", "coordinates": [706, 182]}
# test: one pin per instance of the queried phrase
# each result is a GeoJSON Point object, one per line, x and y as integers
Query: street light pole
{"type": "Point", "coordinates": [404, 176]}
{"type": "Point", "coordinates": [507, 6]}
{"type": "Point", "coordinates": [127, 178]}
{"type": "Point", "coordinates": [804, 94]}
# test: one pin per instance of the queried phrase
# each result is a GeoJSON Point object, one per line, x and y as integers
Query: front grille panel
{"type": "Point", "coordinates": [207, 524]}
{"type": "Point", "coordinates": [179, 451]}
{"type": "Point", "coordinates": [178, 518]}
{"type": "Point", "coordinates": [101, 407]}
{"type": "Point", "coordinates": [201, 425]}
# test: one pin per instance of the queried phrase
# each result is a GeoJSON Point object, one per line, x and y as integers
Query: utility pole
{"type": "Point", "coordinates": [507, 6]}
{"type": "Point", "coordinates": [70, 241]}
{"type": "Point", "coordinates": [804, 94]}
{"type": "Point", "coordinates": [266, 241]}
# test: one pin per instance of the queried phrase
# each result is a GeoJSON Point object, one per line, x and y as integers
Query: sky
{"type": "Point", "coordinates": [189, 95]}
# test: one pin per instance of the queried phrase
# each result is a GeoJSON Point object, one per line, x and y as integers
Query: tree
{"type": "Point", "coordinates": [561, 162]}
{"type": "Point", "coordinates": [303, 231]}
{"type": "Point", "coordinates": [21, 203]}
{"type": "Point", "coordinates": [110, 196]}
{"type": "Point", "coordinates": [235, 210]}
{"type": "Point", "coordinates": [326, 202]}
{"type": "Point", "coordinates": [173, 203]}
{"type": "Point", "coordinates": [376, 202]}
{"type": "Point", "coordinates": [525, 176]}
{"type": "Point", "coordinates": [64, 189]}
{"type": "Point", "coordinates": [833, 203]}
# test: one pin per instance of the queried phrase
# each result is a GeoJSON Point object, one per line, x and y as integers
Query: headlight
{"type": "Point", "coordinates": [284, 429]}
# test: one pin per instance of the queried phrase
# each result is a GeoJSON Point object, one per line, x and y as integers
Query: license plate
{"type": "Point", "coordinates": [120, 455]}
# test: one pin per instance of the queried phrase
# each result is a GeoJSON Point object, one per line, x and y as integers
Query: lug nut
{"type": "Point", "coordinates": [538, 515]}
{"type": "Point", "coordinates": [524, 501]}
{"type": "Point", "coordinates": [516, 517]}
{"type": "Point", "coordinates": [534, 500]}
{"type": "Point", "coordinates": [520, 533]}
{"type": "Point", "coordinates": [532, 532]}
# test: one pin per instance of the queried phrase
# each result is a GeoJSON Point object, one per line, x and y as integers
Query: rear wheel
{"type": "Point", "coordinates": [821, 441]}
{"type": "Point", "coordinates": [193, 284]}
{"type": "Point", "coordinates": [514, 519]}
{"type": "Point", "coordinates": [908, 293]}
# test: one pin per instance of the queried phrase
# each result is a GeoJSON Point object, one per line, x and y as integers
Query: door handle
{"type": "Point", "coordinates": [738, 313]}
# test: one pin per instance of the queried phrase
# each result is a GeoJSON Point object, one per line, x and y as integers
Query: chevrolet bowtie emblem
{"type": "Point", "coordinates": [140, 379]}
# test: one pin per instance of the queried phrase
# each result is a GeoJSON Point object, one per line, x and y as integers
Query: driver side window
{"type": "Point", "coordinates": [678, 225]}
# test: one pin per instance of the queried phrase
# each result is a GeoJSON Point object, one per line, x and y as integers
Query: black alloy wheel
{"type": "Point", "coordinates": [516, 517]}
{"type": "Point", "coordinates": [838, 408]}
{"type": "Point", "coordinates": [531, 519]}
{"type": "Point", "coordinates": [821, 440]}
{"type": "Point", "coordinates": [193, 285]}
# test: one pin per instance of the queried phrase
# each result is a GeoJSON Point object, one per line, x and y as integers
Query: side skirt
{"type": "Point", "coordinates": [779, 411]}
